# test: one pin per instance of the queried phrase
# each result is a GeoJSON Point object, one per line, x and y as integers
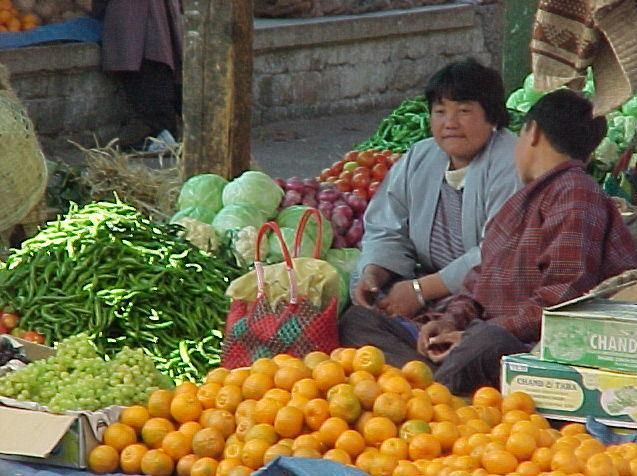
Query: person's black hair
{"type": "Point", "coordinates": [566, 119]}
{"type": "Point", "coordinates": [468, 80]}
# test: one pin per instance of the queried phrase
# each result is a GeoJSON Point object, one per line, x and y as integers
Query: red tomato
{"type": "Point", "coordinates": [325, 173]}
{"type": "Point", "coordinates": [346, 175]}
{"type": "Point", "coordinates": [373, 187]}
{"type": "Point", "coordinates": [351, 165]}
{"type": "Point", "coordinates": [331, 179]}
{"type": "Point", "coordinates": [382, 159]}
{"type": "Point", "coordinates": [4, 330]}
{"type": "Point", "coordinates": [366, 158]}
{"type": "Point", "coordinates": [386, 152]}
{"type": "Point", "coordinates": [352, 155]}
{"type": "Point", "coordinates": [34, 336]}
{"type": "Point", "coordinates": [378, 171]}
{"type": "Point", "coordinates": [337, 167]}
{"type": "Point", "coordinates": [343, 186]}
{"type": "Point", "coordinates": [363, 170]}
{"type": "Point", "coordinates": [360, 181]}
{"type": "Point", "coordinates": [9, 320]}
{"type": "Point", "coordinates": [361, 192]}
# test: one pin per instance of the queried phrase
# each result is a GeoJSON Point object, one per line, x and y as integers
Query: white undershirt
{"type": "Point", "coordinates": [455, 178]}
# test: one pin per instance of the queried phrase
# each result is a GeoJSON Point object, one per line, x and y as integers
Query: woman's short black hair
{"type": "Point", "coordinates": [566, 119]}
{"type": "Point", "coordinates": [468, 80]}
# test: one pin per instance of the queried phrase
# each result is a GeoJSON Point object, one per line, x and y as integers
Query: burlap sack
{"type": "Point", "coordinates": [23, 174]}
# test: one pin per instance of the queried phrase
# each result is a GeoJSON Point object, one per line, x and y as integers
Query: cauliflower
{"type": "Point", "coordinates": [244, 245]}
{"type": "Point", "coordinates": [200, 234]}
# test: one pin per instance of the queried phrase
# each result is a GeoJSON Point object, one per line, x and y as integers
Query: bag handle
{"type": "Point", "coordinates": [300, 230]}
{"type": "Point", "coordinates": [289, 264]}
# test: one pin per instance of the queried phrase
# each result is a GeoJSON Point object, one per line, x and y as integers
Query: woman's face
{"type": "Point", "coordinates": [460, 128]}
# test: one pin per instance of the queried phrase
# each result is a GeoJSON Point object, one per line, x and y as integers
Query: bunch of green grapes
{"type": "Point", "coordinates": [77, 378]}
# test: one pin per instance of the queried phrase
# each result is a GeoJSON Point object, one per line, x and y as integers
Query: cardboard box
{"type": "Point", "coordinates": [37, 436]}
{"type": "Point", "coordinates": [47, 438]}
{"type": "Point", "coordinates": [566, 392]}
{"type": "Point", "coordinates": [591, 331]}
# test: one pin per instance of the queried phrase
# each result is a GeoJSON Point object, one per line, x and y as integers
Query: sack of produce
{"type": "Point", "coordinates": [23, 173]}
{"type": "Point", "coordinates": [288, 307]}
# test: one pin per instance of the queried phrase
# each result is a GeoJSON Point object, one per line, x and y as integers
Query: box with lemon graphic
{"type": "Point", "coordinates": [566, 392]}
{"type": "Point", "coordinates": [593, 332]}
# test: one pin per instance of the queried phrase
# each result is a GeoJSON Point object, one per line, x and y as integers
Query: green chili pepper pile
{"type": "Point", "coordinates": [406, 125]}
{"type": "Point", "coordinates": [125, 280]}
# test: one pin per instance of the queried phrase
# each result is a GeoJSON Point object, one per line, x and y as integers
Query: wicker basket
{"type": "Point", "coordinates": [23, 175]}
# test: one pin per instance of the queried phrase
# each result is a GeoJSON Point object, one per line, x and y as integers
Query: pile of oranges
{"type": "Point", "coordinates": [352, 408]}
{"type": "Point", "coordinates": [12, 20]}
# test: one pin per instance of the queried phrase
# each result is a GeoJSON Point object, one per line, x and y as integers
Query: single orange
{"type": "Point", "coordinates": [279, 395]}
{"type": "Point", "coordinates": [159, 403]}
{"type": "Point", "coordinates": [256, 384]}
{"type": "Point", "coordinates": [204, 467]}
{"type": "Point", "coordinates": [246, 408]}
{"type": "Point", "coordinates": [135, 417]}
{"type": "Point", "coordinates": [367, 391]}
{"type": "Point", "coordinates": [438, 393]}
{"type": "Point", "coordinates": [411, 428]}
{"type": "Point", "coordinates": [185, 407]}
{"type": "Point", "coordinates": [154, 430]}
{"type": "Point", "coordinates": [288, 422]}
{"type": "Point", "coordinates": [306, 387]}
{"type": "Point", "coordinates": [528, 468]}
{"type": "Point", "coordinates": [184, 465]}
{"type": "Point", "coordinates": [186, 387]}
{"type": "Point", "coordinates": [306, 441]}
{"type": "Point", "coordinates": [338, 456]}
{"type": "Point", "coordinates": [306, 453]}
{"type": "Point", "coordinates": [264, 366]}
{"type": "Point", "coordinates": [275, 451]}
{"type": "Point", "coordinates": [314, 358]}
{"type": "Point", "coordinates": [228, 397]}
{"type": "Point", "coordinates": [331, 429]}
{"type": "Point", "coordinates": [119, 436]}
{"type": "Point", "coordinates": [345, 406]}
{"type": "Point", "coordinates": [253, 452]}
{"type": "Point", "coordinates": [365, 459]}
{"type": "Point", "coordinates": [157, 463]}
{"type": "Point", "coordinates": [418, 374]}
{"type": "Point", "coordinates": [392, 406]}
{"type": "Point", "coordinates": [227, 465]}
{"type": "Point", "coordinates": [359, 426]}
{"type": "Point", "coordinates": [487, 397]}
{"type": "Point", "coordinates": [327, 374]}
{"type": "Point", "coordinates": [521, 445]}
{"type": "Point", "coordinates": [445, 412]}
{"type": "Point", "coordinates": [378, 429]}
{"type": "Point", "coordinates": [266, 409]}
{"type": "Point", "coordinates": [499, 462]}
{"type": "Point", "coordinates": [565, 460]}
{"type": "Point", "coordinates": [208, 442]}
{"type": "Point", "coordinates": [351, 442]}
{"type": "Point", "coordinates": [176, 445]}
{"type": "Point", "coordinates": [262, 431]}
{"type": "Point", "coordinates": [207, 394]}
{"type": "Point", "coordinates": [236, 377]}
{"type": "Point", "coordinates": [518, 401]}
{"type": "Point", "coordinates": [406, 468]}
{"type": "Point", "coordinates": [217, 375]}
{"type": "Point", "coordinates": [396, 447]}
{"type": "Point", "coordinates": [130, 458]}
{"type": "Point", "coordinates": [103, 459]}
{"type": "Point", "coordinates": [424, 446]}
{"type": "Point", "coordinates": [287, 376]}
{"type": "Point", "coordinates": [244, 424]}
{"type": "Point", "coordinates": [370, 359]}
{"type": "Point", "coordinates": [222, 420]}
{"type": "Point", "coordinates": [446, 433]}
{"type": "Point", "coordinates": [316, 411]}
{"type": "Point", "coordinates": [345, 357]}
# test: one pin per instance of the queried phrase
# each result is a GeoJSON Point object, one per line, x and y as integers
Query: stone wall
{"type": "Point", "coordinates": [302, 68]}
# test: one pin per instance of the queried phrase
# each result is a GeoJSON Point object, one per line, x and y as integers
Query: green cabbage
{"type": "Point", "coordinates": [630, 107]}
{"type": "Point", "coordinates": [344, 260]}
{"type": "Point", "coordinates": [235, 216]}
{"type": "Point", "coordinates": [531, 94]}
{"type": "Point", "coordinates": [202, 214]}
{"type": "Point", "coordinates": [256, 189]}
{"type": "Point", "coordinates": [290, 217]}
{"type": "Point", "coordinates": [203, 190]}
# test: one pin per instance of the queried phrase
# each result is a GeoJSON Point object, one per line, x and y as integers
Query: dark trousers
{"type": "Point", "coordinates": [154, 95]}
{"type": "Point", "coordinates": [474, 363]}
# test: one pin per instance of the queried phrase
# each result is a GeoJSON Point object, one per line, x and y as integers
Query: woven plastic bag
{"type": "Point", "coordinates": [23, 175]}
{"type": "Point", "coordinates": [262, 327]}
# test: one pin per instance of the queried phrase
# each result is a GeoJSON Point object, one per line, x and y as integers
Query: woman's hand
{"type": "Point", "coordinates": [401, 300]}
{"type": "Point", "coordinates": [437, 339]}
{"type": "Point", "coordinates": [372, 279]}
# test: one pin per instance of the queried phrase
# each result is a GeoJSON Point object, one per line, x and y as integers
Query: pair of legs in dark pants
{"type": "Point", "coordinates": [474, 363]}
{"type": "Point", "coordinates": [154, 95]}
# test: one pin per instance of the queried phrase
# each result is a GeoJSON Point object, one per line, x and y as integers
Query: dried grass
{"type": "Point", "coordinates": [153, 191]}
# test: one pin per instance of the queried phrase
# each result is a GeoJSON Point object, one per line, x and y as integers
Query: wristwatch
{"type": "Point", "coordinates": [418, 290]}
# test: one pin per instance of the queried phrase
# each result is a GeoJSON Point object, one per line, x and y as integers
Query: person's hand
{"type": "Point", "coordinates": [440, 346]}
{"type": "Point", "coordinates": [372, 279]}
{"type": "Point", "coordinates": [437, 338]}
{"type": "Point", "coordinates": [401, 300]}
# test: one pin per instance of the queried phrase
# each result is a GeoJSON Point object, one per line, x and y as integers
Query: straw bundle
{"type": "Point", "coordinates": [153, 191]}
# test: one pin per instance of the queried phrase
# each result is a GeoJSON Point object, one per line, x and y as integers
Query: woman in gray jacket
{"type": "Point", "coordinates": [424, 226]}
